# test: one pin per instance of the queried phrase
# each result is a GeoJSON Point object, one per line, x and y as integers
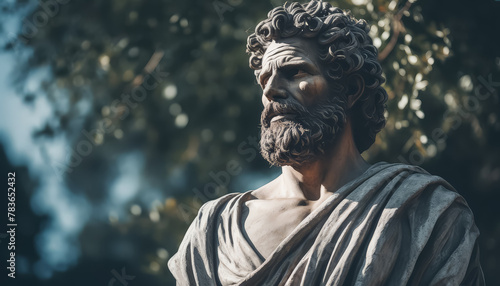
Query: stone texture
{"type": "Point", "coordinates": [393, 225]}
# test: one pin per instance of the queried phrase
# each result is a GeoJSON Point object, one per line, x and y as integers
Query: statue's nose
{"type": "Point", "coordinates": [275, 88]}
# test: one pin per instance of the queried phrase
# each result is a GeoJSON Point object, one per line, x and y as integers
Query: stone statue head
{"type": "Point", "coordinates": [318, 69]}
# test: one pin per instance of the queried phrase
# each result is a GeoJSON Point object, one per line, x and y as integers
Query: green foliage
{"type": "Point", "coordinates": [101, 54]}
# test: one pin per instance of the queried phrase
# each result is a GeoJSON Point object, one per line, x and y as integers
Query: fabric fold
{"type": "Point", "coordinates": [393, 225]}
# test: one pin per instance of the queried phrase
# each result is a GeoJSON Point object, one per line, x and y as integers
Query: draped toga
{"type": "Point", "coordinates": [393, 225]}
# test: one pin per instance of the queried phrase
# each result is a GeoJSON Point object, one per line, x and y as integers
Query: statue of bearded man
{"type": "Point", "coordinates": [330, 218]}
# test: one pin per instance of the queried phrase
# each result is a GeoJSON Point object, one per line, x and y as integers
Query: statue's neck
{"type": "Point", "coordinates": [340, 164]}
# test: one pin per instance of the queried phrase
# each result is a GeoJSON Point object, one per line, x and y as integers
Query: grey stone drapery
{"type": "Point", "coordinates": [393, 225]}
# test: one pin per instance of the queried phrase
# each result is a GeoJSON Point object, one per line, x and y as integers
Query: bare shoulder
{"type": "Point", "coordinates": [267, 191]}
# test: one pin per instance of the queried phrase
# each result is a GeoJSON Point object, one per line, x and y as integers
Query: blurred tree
{"type": "Point", "coordinates": [168, 80]}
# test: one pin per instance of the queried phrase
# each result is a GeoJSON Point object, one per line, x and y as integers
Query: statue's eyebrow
{"type": "Point", "coordinates": [302, 64]}
{"type": "Point", "coordinates": [285, 63]}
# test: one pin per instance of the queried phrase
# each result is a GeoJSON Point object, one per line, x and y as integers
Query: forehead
{"type": "Point", "coordinates": [289, 50]}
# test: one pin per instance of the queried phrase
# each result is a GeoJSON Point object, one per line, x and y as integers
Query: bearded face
{"type": "Point", "coordinates": [303, 111]}
{"type": "Point", "coordinates": [292, 134]}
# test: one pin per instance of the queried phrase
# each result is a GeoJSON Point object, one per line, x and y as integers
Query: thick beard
{"type": "Point", "coordinates": [305, 137]}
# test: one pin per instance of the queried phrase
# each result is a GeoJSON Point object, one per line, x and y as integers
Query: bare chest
{"type": "Point", "coordinates": [268, 222]}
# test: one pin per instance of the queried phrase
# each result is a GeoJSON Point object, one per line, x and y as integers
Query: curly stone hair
{"type": "Point", "coordinates": [345, 49]}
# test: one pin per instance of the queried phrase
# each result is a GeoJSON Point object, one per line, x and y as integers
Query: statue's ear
{"type": "Point", "coordinates": [355, 88]}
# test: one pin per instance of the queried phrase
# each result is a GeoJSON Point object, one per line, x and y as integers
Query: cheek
{"type": "Point", "coordinates": [312, 87]}
{"type": "Point", "coordinates": [304, 86]}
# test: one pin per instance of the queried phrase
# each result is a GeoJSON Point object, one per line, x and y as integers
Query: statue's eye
{"type": "Point", "coordinates": [291, 73]}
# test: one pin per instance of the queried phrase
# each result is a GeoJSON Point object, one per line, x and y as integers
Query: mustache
{"type": "Point", "coordinates": [280, 108]}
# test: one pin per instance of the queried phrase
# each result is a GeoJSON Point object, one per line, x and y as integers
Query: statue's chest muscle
{"type": "Point", "coordinates": [268, 222]}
